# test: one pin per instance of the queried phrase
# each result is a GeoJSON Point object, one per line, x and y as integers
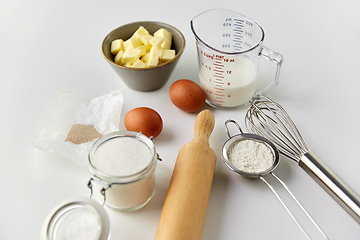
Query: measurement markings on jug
{"type": "Point", "coordinates": [218, 68]}
{"type": "Point", "coordinates": [238, 20]}
{"type": "Point", "coordinates": [238, 29]}
{"type": "Point", "coordinates": [238, 32]}
{"type": "Point", "coordinates": [238, 36]}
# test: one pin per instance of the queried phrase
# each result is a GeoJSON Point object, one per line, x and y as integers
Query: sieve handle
{"type": "Point", "coordinates": [343, 194]}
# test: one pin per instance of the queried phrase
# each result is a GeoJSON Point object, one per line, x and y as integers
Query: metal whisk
{"type": "Point", "coordinates": [268, 119]}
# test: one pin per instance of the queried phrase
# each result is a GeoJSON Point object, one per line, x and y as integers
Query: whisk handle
{"type": "Point", "coordinates": [342, 193]}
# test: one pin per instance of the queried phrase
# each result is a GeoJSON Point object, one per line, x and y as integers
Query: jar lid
{"type": "Point", "coordinates": [78, 218]}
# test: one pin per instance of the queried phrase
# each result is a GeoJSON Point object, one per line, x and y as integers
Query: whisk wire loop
{"type": "Point", "coordinates": [268, 119]}
{"type": "Point", "coordinates": [264, 127]}
{"type": "Point", "coordinates": [285, 128]}
{"type": "Point", "coordinates": [293, 129]}
{"type": "Point", "coordinates": [273, 125]}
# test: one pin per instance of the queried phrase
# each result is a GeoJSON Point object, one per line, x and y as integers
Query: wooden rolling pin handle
{"type": "Point", "coordinates": [204, 125]}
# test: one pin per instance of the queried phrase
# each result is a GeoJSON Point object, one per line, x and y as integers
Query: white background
{"type": "Point", "coordinates": [45, 45]}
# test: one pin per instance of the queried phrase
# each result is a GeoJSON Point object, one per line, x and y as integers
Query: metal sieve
{"type": "Point", "coordinates": [233, 140]}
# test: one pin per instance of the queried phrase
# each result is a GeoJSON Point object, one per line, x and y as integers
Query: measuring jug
{"type": "Point", "coordinates": [229, 47]}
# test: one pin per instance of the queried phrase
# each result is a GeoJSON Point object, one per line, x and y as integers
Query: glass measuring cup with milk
{"type": "Point", "coordinates": [229, 47]}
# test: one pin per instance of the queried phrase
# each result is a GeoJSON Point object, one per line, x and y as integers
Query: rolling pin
{"type": "Point", "coordinates": [183, 213]}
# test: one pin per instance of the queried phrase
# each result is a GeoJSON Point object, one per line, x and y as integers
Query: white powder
{"type": "Point", "coordinates": [251, 156]}
{"type": "Point", "coordinates": [122, 156]}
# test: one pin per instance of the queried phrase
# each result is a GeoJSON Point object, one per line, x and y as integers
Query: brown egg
{"type": "Point", "coordinates": [187, 95]}
{"type": "Point", "coordinates": [144, 120]}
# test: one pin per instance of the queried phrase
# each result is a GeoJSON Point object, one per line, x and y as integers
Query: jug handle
{"type": "Point", "coordinates": [276, 58]}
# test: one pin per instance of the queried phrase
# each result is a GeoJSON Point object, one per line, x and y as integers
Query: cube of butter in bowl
{"type": "Point", "coordinates": [144, 54]}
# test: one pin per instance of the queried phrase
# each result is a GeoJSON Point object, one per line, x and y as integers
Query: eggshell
{"type": "Point", "coordinates": [187, 95]}
{"type": "Point", "coordinates": [144, 120]}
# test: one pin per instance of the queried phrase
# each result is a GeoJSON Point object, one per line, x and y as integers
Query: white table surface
{"type": "Point", "coordinates": [45, 45]}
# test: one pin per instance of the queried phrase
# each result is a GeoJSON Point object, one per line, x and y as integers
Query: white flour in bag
{"type": "Point", "coordinates": [251, 156]}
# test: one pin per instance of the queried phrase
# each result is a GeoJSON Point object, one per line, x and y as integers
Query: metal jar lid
{"type": "Point", "coordinates": [78, 218]}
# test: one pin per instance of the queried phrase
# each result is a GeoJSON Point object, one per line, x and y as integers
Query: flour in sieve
{"type": "Point", "coordinates": [251, 156]}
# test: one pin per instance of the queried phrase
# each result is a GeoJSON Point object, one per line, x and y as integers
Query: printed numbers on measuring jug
{"type": "Point", "coordinates": [249, 23]}
{"type": "Point", "coordinates": [226, 45]}
{"type": "Point", "coordinates": [206, 66]}
{"type": "Point", "coordinates": [247, 44]}
{"type": "Point", "coordinates": [229, 60]}
{"type": "Point", "coordinates": [248, 33]}
{"type": "Point", "coordinates": [227, 22]}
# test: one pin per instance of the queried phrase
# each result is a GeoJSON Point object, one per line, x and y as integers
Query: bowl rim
{"type": "Point", "coordinates": [178, 54]}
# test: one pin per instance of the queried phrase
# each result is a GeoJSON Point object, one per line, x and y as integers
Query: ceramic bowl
{"type": "Point", "coordinates": [144, 79]}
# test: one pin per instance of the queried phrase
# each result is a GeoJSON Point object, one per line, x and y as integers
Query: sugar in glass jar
{"type": "Point", "coordinates": [123, 164]}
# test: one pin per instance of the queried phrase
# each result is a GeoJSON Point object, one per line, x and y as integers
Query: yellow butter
{"type": "Point", "coordinates": [130, 65]}
{"type": "Point", "coordinates": [164, 34]}
{"type": "Point", "coordinates": [166, 44]}
{"type": "Point", "coordinates": [116, 46]}
{"type": "Point", "coordinates": [139, 64]}
{"type": "Point", "coordinates": [146, 41]}
{"type": "Point", "coordinates": [131, 55]}
{"type": "Point", "coordinates": [142, 49]}
{"type": "Point", "coordinates": [132, 43]}
{"type": "Point", "coordinates": [153, 61]}
{"type": "Point", "coordinates": [118, 57]}
{"type": "Point", "coordinates": [167, 54]}
{"type": "Point", "coordinates": [141, 31]}
{"type": "Point", "coordinates": [157, 41]}
{"type": "Point", "coordinates": [145, 58]}
{"type": "Point", "coordinates": [155, 54]}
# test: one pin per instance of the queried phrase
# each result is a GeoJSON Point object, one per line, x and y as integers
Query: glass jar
{"type": "Point", "coordinates": [131, 188]}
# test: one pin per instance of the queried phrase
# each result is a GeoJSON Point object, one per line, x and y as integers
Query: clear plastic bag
{"type": "Point", "coordinates": [67, 109]}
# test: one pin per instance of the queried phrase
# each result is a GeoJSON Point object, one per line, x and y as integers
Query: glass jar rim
{"type": "Point", "coordinates": [123, 178]}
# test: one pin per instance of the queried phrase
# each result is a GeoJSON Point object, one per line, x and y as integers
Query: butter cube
{"type": "Point", "coordinates": [166, 44]}
{"type": "Point", "coordinates": [118, 57]}
{"type": "Point", "coordinates": [140, 32]}
{"type": "Point", "coordinates": [153, 61]}
{"type": "Point", "coordinates": [116, 46]}
{"type": "Point", "coordinates": [128, 64]}
{"type": "Point", "coordinates": [142, 49]}
{"type": "Point", "coordinates": [157, 41]}
{"type": "Point", "coordinates": [167, 54]}
{"type": "Point", "coordinates": [146, 41]}
{"type": "Point", "coordinates": [155, 54]}
{"type": "Point", "coordinates": [164, 34]}
{"type": "Point", "coordinates": [139, 64]}
{"type": "Point", "coordinates": [131, 55]}
{"type": "Point", "coordinates": [132, 43]}
{"type": "Point", "coordinates": [145, 58]}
